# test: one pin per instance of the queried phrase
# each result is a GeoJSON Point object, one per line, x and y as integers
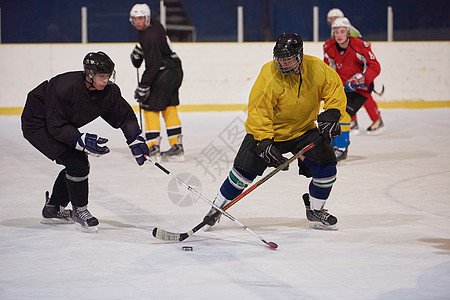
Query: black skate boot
{"type": "Point", "coordinates": [84, 220]}
{"type": "Point", "coordinates": [319, 219]}
{"type": "Point", "coordinates": [220, 201]}
{"type": "Point", "coordinates": [175, 153]}
{"type": "Point", "coordinates": [55, 214]}
{"type": "Point", "coordinates": [376, 127]}
{"type": "Point", "coordinates": [341, 153]}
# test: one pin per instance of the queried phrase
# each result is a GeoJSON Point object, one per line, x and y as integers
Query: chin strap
{"type": "Point", "coordinates": [91, 83]}
{"type": "Point", "coordinates": [300, 85]}
{"type": "Point", "coordinates": [301, 79]}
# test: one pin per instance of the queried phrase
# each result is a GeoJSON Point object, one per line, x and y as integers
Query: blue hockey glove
{"type": "Point", "coordinates": [350, 87]}
{"type": "Point", "coordinates": [141, 93]}
{"type": "Point", "coordinates": [358, 81]}
{"type": "Point", "coordinates": [137, 56]}
{"type": "Point", "coordinates": [267, 151]}
{"type": "Point", "coordinates": [90, 144]}
{"type": "Point", "coordinates": [138, 147]}
{"type": "Point", "coordinates": [329, 126]}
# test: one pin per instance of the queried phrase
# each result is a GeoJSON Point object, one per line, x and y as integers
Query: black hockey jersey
{"type": "Point", "coordinates": [63, 104]}
{"type": "Point", "coordinates": [158, 53]}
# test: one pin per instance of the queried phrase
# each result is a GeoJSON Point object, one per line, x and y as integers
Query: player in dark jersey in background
{"type": "Point", "coordinates": [284, 104]}
{"type": "Point", "coordinates": [157, 91]}
{"type": "Point", "coordinates": [354, 61]}
{"type": "Point", "coordinates": [55, 110]}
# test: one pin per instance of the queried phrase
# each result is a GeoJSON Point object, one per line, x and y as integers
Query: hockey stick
{"type": "Point", "coordinates": [379, 93]}
{"type": "Point", "coordinates": [172, 236]}
{"type": "Point", "coordinates": [161, 234]}
{"type": "Point", "coordinates": [140, 108]}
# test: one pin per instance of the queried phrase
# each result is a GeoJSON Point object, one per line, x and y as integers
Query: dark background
{"type": "Point", "coordinates": [57, 21]}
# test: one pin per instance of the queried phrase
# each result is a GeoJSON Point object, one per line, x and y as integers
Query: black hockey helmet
{"type": "Point", "coordinates": [99, 62]}
{"type": "Point", "coordinates": [289, 48]}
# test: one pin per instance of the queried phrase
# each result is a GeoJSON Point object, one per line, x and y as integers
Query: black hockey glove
{"type": "Point", "coordinates": [303, 169]}
{"type": "Point", "coordinates": [267, 151]}
{"type": "Point", "coordinates": [137, 56]}
{"type": "Point", "coordinates": [141, 93]}
{"type": "Point", "coordinates": [138, 147]}
{"type": "Point", "coordinates": [328, 122]}
{"type": "Point", "coordinates": [90, 144]}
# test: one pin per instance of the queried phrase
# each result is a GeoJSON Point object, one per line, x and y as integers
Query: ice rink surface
{"type": "Point", "coordinates": [391, 199]}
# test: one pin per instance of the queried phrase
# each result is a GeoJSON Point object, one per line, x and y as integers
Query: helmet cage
{"type": "Point", "coordinates": [95, 63]}
{"type": "Point", "coordinates": [288, 53]}
{"type": "Point", "coordinates": [140, 10]}
{"type": "Point", "coordinates": [288, 65]}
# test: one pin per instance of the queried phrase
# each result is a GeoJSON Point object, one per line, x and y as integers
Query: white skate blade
{"type": "Point", "coordinates": [156, 157]}
{"type": "Point", "coordinates": [376, 132]}
{"type": "Point", "coordinates": [86, 229]}
{"type": "Point", "coordinates": [50, 221]}
{"type": "Point", "coordinates": [341, 162]}
{"type": "Point", "coordinates": [173, 158]}
{"type": "Point", "coordinates": [320, 226]}
{"type": "Point", "coordinates": [354, 132]}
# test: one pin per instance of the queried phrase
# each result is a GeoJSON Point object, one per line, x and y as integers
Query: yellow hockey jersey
{"type": "Point", "coordinates": [281, 109]}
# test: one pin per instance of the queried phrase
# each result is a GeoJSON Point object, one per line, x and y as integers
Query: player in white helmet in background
{"type": "Point", "coordinates": [371, 106]}
{"type": "Point", "coordinates": [157, 91]}
{"type": "Point", "coordinates": [357, 66]}
{"type": "Point", "coordinates": [335, 13]}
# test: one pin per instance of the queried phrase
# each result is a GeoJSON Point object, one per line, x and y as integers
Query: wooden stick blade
{"type": "Point", "coordinates": [164, 235]}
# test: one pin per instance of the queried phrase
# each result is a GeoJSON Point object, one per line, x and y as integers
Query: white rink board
{"type": "Point", "coordinates": [222, 73]}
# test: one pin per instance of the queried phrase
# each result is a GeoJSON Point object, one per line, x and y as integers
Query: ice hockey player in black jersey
{"type": "Point", "coordinates": [157, 91]}
{"type": "Point", "coordinates": [53, 113]}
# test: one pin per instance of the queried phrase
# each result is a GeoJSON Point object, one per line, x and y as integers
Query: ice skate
{"type": "Point", "coordinates": [154, 152]}
{"type": "Point", "coordinates": [319, 219]}
{"type": "Point", "coordinates": [376, 127]}
{"type": "Point", "coordinates": [354, 128]}
{"type": "Point", "coordinates": [155, 149]}
{"type": "Point", "coordinates": [341, 153]}
{"type": "Point", "coordinates": [175, 153]}
{"type": "Point", "coordinates": [55, 214]}
{"type": "Point", "coordinates": [84, 221]}
{"type": "Point", "coordinates": [219, 201]}
{"type": "Point", "coordinates": [213, 221]}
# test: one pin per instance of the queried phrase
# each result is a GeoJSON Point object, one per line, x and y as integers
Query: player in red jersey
{"type": "Point", "coordinates": [371, 106]}
{"type": "Point", "coordinates": [354, 61]}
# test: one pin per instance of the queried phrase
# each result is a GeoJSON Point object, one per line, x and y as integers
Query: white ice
{"type": "Point", "coordinates": [391, 198]}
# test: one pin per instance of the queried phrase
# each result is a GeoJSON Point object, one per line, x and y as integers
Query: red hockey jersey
{"type": "Point", "coordinates": [357, 58]}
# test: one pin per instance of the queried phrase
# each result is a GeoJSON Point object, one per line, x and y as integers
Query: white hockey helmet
{"type": "Point", "coordinates": [341, 22]}
{"type": "Point", "coordinates": [140, 10]}
{"type": "Point", "coordinates": [333, 14]}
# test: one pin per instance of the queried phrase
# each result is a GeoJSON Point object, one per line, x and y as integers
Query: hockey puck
{"type": "Point", "coordinates": [187, 248]}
